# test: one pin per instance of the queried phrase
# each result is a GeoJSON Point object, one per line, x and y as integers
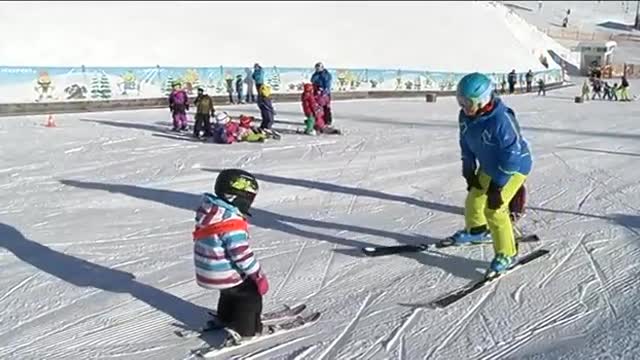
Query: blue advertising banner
{"type": "Point", "coordinates": [53, 84]}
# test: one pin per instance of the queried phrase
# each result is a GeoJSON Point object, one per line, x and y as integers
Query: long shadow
{"type": "Point", "coordinates": [127, 125]}
{"type": "Point", "coordinates": [458, 266]}
{"type": "Point", "coordinates": [599, 151]}
{"type": "Point", "coordinates": [334, 188]}
{"type": "Point", "coordinates": [454, 125]}
{"type": "Point", "coordinates": [629, 221]}
{"type": "Point", "coordinates": [309, 184]}
{"type": "Point", "coordinates": [82, 273]}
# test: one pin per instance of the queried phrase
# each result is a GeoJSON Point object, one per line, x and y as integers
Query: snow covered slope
{"type": "Point", "coordinates": [586, 16]}
{"type": "Point", "coordinates": [96, 217]}
{"type": "Point", "coordinates": [436, 36]}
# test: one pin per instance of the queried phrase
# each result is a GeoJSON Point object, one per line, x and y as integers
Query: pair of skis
{"type": "Point", "coordinates": [274, 323]}
{"type": "Point", "coordinates": [399, 249]}
{"type": "Point", "coordinates": [448, 299]}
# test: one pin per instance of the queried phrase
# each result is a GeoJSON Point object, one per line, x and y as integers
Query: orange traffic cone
{"type": "Point", "coordinates": [50, 121]}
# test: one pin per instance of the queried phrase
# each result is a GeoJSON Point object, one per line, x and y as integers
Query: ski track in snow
{"type": "Point", "coordinates": [398, 332]}
{"type": "Point", "coordinates": [331, 351]}
{"type": "Point", "coordinates": [601, 279]}
{"type": "Point", "coordinates": [462, 322]}
{"type": "Point", "coordinates": [17, 287]}
{"type": "Point", "coordinates": [264, 352]}
{"type": "Point", "coordinates": [553, 271]}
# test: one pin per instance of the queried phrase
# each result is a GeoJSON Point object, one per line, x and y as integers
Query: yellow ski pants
{"type": "Point", "coordinates": [476, 212]}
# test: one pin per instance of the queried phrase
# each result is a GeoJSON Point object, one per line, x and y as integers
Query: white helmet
{"type": "Point", "coordinates": [222, 118]}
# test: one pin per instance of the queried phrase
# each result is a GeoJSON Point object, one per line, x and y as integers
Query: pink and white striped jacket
{"type": "Point", "coordinates": [222, 255]}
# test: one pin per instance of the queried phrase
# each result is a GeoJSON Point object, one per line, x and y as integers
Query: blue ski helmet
{"type": "Point", "coordinates": [474, 92]}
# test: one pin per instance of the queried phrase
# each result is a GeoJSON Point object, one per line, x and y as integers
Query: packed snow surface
{"type": "Point", "coordinates": [96, 218]}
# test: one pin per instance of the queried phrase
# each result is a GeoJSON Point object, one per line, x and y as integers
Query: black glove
{"type": "Point", "coordinates": [472, 180]}
{"type": "Point", "coordinates": [494, 196]}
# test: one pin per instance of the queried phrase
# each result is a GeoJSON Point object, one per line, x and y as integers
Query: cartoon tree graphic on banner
{"type": "Point", "coordinates": [100, 87]}
{"type": "Point", "coordinates": [105, 87]}
{"type": "Point", "coordinates": [168, 85]}
{"type": "Point", "coordinates": [274, 79]}
{"type": "Point", "coordinates": [95, 87]}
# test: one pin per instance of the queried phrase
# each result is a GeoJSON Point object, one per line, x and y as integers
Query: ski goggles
{"type": "Point", "coordinates": [469, 105]}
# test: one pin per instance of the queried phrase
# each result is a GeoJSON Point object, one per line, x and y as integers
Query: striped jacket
{"type": "Point", "coordinates": [223, 258]}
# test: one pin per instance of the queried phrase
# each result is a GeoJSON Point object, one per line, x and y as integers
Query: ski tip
{"type": "Point", "coordinates": [314, 317]}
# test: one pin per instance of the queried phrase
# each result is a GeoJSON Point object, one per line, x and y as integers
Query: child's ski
{"type": "Point", "coordinates": [231, 344]}
{"type": "Point", "coordinates": [267, 318]}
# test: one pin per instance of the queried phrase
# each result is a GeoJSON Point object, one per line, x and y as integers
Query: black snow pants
{"type": "Point", "coordinates": [240, 308]}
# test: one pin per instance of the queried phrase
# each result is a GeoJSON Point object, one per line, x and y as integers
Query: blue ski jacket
{"type": "Point", "coordinates": [494, 142]}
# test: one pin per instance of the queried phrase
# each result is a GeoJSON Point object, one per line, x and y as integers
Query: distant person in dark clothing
{"type": "Point", "coordinates": [248, 79]}
{"type": "Point", "coordinates": [229, 81]}
{"type": "Point", "coordinates": [541, 87]}
{"type": "Point", "coordinates": [239, 88]}
{"type": "Point", "coordinates": [204, 111]}
{"type": "Point", "coordinates": [597, 89]}
{"type": "Point", "coordinates": [512, 79]}
{"type": "Point", "coordinates": [529, 80]}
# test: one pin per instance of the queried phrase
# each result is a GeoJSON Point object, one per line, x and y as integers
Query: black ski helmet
{"type": "Point", "coordinates": [237, 187]}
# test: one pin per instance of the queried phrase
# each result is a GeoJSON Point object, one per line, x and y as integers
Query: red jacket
{"type": "Point", "coordinates": [310, 106]}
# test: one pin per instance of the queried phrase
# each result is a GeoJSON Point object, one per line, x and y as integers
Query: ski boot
{"type": "Point", "coordinates": [232, 338]}
{"type": "Point", "coordinates": [499, 265]}
{"type": "Point", "coordinates": [467, 237]}
{"type": "Point", "coordinates": [308, 125]}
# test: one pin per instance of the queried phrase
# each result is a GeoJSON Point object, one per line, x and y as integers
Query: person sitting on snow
{"type": "Point", "coordinates": [225, 131]}
{"type": "Point", "coordinates": [249, 133]}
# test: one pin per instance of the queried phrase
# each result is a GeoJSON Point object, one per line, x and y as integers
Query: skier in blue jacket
{"type": "Point", "coordinates": [258, 76]}
{"type": "Point", "coordinates": [496, 161]}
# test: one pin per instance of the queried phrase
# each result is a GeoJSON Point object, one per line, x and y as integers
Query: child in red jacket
{"type": "Point", "coordinates": [312, 111]}
{"type": "Point", "coordinates": [313, 102]}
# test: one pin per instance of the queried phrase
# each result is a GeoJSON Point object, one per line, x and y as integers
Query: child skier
{"type": "Point", "coordinates": [225, 131]}
{"type": "Point", "coordinates": [248, 133]}
{"type": "Point", "coordinates": [223, 257]}
{"type": "Point", "coordinates": [266, 111]}
{"type": "Point", "coordinates": [204, 110]}
{"type": "Point", "coordinates": [314, 101]}
{"type": "Point", "coordinates": [496, 161]}
{"type": "Point", "coordinates": [179, 105]}
{"type": "Point", "coordinates": [312, 111]}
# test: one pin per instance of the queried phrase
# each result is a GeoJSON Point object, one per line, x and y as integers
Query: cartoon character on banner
{"type": "Point", "coordinates": [44, 86]}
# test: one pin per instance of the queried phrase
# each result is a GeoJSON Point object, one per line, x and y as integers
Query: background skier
{"type": "Point", "coordinates": [179, 105]}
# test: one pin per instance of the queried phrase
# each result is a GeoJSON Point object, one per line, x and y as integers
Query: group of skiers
{"type": "Point", "coordinates": [496, 161]}
{"type": "Point", "coordinates": [223, 130]}
{"type": "Point", "coordinates": [513, 79]}
{"type": "Point", "coordinates": [315, 100]}
{"type": "Point", "coordinates": [603, 91]}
